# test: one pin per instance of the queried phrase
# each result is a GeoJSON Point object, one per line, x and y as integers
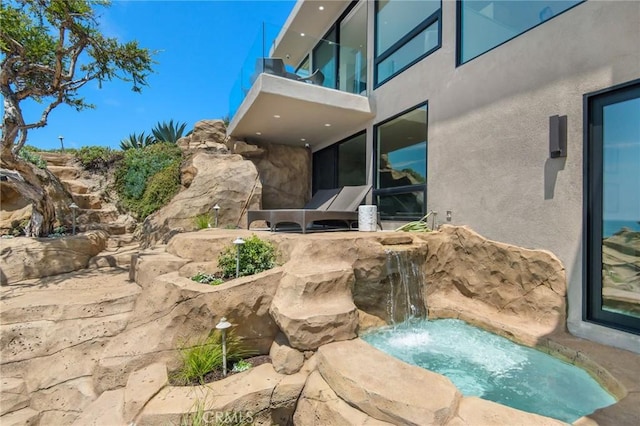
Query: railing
{"type": "Point", "coordinates": [336, 66]}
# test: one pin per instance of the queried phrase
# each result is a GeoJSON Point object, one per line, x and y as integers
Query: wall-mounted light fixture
{"type": "Point", "coordinates": [557, 136]}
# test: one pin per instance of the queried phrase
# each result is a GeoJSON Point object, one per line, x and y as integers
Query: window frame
{"type": "Point", "coordinates": [336, 157]}
{"type": "Point", "coordinates": [459, 33]}
{"type": "Point", "coordinates": [377, 59]}
{"type": "Point", "coordinates": [399, 189]}
{"type": "Point", "coordinates": [593, 147]}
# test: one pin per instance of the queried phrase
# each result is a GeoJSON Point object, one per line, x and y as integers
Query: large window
{"type": "Point", "coordinates": [612, 181]}
{"type": "Point", "coordinates": [485, 24]}
{"type": "Point", "coordinates": [406, 31]}
{"type": "Point", "coordinates": [401, 159]}
{"type": "Point", "coordinates": [340, 164]}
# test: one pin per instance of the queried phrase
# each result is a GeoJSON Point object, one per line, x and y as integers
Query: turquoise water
{"type": "Point", "coordinates": [483, 364]}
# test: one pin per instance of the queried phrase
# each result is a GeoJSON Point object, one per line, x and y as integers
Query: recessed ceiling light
{"type": "Point", "coordinates": [327, 124]}
{"type": "Point", "coordinates": [321, 7]}
{"type": "Point", "coordinates": [258, 133]}
{"type": "Point", "coordinates": [301, 34]}
{"type": "Point", "coordinates": [302, 139]}
{"type": "Point", "coordinates": [276, 116]}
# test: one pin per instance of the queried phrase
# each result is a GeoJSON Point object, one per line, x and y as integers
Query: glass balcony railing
{"type": "Point", "coordinates": [302, 58]}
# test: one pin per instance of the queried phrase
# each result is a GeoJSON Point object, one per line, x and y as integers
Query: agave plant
{"type": "Point", "coordinates": [135, 141]}
{"type": "Point", "coordinates": [169, 132]}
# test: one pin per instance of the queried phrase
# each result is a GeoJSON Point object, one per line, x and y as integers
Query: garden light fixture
{"type": "Point", "coordinates": [223, 325]}
{"type": "Point", "coordinates": [216, 209]}
{"type": "Point", "coordinates": [73, 207]}
{"type": "Point", "coordinates": [238, 242]}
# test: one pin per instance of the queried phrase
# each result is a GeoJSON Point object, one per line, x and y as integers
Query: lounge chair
{"type": "Point", "coordinates": [324, 206]}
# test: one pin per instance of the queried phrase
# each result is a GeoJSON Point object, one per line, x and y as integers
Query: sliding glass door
{"type": "Point", "coordinates": [613, 208]}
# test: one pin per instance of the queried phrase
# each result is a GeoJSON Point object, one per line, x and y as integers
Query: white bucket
{"type": "Point", "coordinates": [368, 218]}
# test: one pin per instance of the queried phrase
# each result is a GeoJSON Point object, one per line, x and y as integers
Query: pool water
{"type": "Point", "coordinates": [491, 367]}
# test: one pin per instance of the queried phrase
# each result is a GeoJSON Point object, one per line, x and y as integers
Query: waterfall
{"type": "Point", "coordinates": [406, 281]}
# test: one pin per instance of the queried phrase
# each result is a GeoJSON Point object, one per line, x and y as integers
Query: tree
{"type": "Point", "coordinates": [51, 49]}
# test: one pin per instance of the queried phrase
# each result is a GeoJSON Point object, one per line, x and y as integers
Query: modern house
{"type": "Point", "coordinates": [520, 119]}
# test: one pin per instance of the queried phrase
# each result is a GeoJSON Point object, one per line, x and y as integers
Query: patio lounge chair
{"type": "Point", "coordinates": [324, 206]}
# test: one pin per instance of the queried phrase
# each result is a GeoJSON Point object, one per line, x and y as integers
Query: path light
{"type": "Point", "coordinates": [238, 242]}
{"type": "Point", "coordinates": [61, 144]}
{"type": "Point", "coordinates": [73, 207]}
{"type": "Point", "coordinates": [223, 325]}
{"type": "Point", "coordinates": [216, 209]}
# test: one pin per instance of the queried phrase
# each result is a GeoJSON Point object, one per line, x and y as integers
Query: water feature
{"type": "Point", "coordinates": [483, 364]}
{"type": "Point", "coordinates": [479, 363]}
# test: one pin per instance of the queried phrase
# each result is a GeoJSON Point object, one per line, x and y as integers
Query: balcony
{"type": "Point", "coordinates": [323, 99]}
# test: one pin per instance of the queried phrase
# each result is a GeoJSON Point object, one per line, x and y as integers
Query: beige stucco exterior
{"type": "Point", "coordinates": [488, 134]}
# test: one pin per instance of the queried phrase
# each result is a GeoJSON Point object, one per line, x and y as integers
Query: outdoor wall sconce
{"type": "Point", "coordinates": [557, 136]}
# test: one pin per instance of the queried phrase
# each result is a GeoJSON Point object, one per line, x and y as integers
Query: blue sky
{"type": "Point", "coordinates": [202, 45]}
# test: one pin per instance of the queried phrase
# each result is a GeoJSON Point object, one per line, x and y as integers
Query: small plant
{"type": "Point", "coordinates": [241, 365]}
{"type": "Point", "coordinates": [256, 256]}
{"type": "Point", "coordinates": [58, 232]}
{"type": "Point", "coordinates": [135, 141]}
{"type": "Point", "coordinates": [205, 278]}
{"type": "Point", "coordinates": [97, 157]}
{"type": "Point", "coordinates": [206, 356]}
{"type": "Point", "coordinates": [416, 226]}
{"type": "Point", "coordinates": [203, 221]}
{"type": "Point", "coordinates": [33, 158]}
{"type": "Point", "coordinates": [196, 417]}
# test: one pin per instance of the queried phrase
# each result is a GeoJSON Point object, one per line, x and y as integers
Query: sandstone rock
{"type": "Point", "coordinates": [313, 305]}
{"type": "Point", "coordinates": [475, 411]}
{"type": "Point", "coordinates": [386, 388]}
{"type": "Point", "coordinates": [248, 150]}
{"type": "Point", "coordinates": [72, 396]}
{"type": "Point", "coordinates": [206, 134]}
{"type": "Point", "coordinates": [255, 393]}
{"type": "Point", "coordinates": [15, 212]}
{"type": "Point", "coordinates": [284, 358]}
{"type": "Point", "coordinates": [142, 385]}
{"type": "Point", "coordinates": [14, 395]}
{"type": "Point", "coordinates": [227, 180]}
{"type": "Point", "coordinates": [24, 417]}
{"type": "Point", "coordinates": [285, 173]}
{"type": "Point", "coordinates": [23, 258]}
{"type": "Point", "coordinates": [65, 172]}
{"type": "Point", "coordinates": [106, 410]}
{"type": "Point", "coordinates": [367, 321]}
{"type": "Point", "coordinates": [319, 406]}
{"type": "Point", "coordinates": [75, 186]}
{"type": "Point", "coordinates": [146, 266]}
{"type": "Point", "coordinates": [175, 309]}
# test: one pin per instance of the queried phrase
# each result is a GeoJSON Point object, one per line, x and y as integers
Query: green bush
{"type": "Point", "coordinates": [134, 177]}
{"type": "Point", "coordinates": [206, 356]}
{"type": "Point", "coordinates": [204, 278]}
{"type": "Point", "coordinates": [28, 153]}
{"type": "Point", "coordinates": [256, 256]}
{"type": "Point", "coordinates": [160, 189]}
{"type": "Point", "coordinates": [203, 221]}
{"type": "Point", "coordinates": [97, 157]}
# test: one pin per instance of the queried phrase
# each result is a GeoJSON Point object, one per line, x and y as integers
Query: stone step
{"type": "Point", "coordinates": [119, 259]}
{"type": "Point", "coordinates": [65, 172]}
{"type": "Point", "coordinates": [13, 395]}
{"type": "Point", "coordinates": [24, 417]}
{"type": "Point", "coordinates": [89, 216]}
{"type": "Point", "coordinates": [69, 296]}
{"type": "Point", "coordinates": [88, 201]}
{"type": "Point", "coordinates": [57, 158]}
{"type": "Point", "coordinates": [75, 186]}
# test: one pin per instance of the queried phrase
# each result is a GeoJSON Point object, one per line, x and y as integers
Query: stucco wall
{"type": "Point", "coordinates": [488, 156]}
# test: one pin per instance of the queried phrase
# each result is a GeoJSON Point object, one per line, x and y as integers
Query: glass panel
{"type": "Point", "coordinates": [324, 169]}
{"type": "Point", "coordinates": [324, 59]}
{"type": "Point", "coordinates": [621, 208]}
{"type": "Point", "coordinates": [353, 51]}
{"type": "Point", "coordinates": [488, 23]}
{"type": "Point", "coordinates": [416, 47]}
{"type": "Point", "coordinates": [402, 150]}
{"type": "Point", "coordinates": [304, 68]}
{"type": "Point", "coordinates": [396, 18]}
{"type": "Point", "coordinates": [409, 205]}
{"type": "Point", "coordinates": [352, 161]}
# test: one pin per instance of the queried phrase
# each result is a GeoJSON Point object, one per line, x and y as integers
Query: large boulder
{"type": "Point", "coordinates": [25, 258]}
{"type": "Point", "coordinates": [206, 134]}
{"type": "Point", "coordinates": [15, 212]}
{"type": "Point", "coordinates": [226, 180]}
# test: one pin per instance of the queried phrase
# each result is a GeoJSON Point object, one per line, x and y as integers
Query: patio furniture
{"type": "Point", "coordinates": [323, 207]}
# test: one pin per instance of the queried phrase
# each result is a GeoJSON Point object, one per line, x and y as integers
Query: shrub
{"type": "Point", "coordinates": [206, 356]}
{"type": "Point", "coordinates": [160, 189]}
{"type": "Point", "coordinates": [203, 221]}
{"type": "Point", "coordinates": [97, 157]}
{"type": "Point", "coordinates": [134, 174]}
{"type": "Point", "coordinates": [256, 256]}
{"type": "Point", "coordinates": [29, 154]}
{"type": "Point", "coordinates": [205, 278]}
